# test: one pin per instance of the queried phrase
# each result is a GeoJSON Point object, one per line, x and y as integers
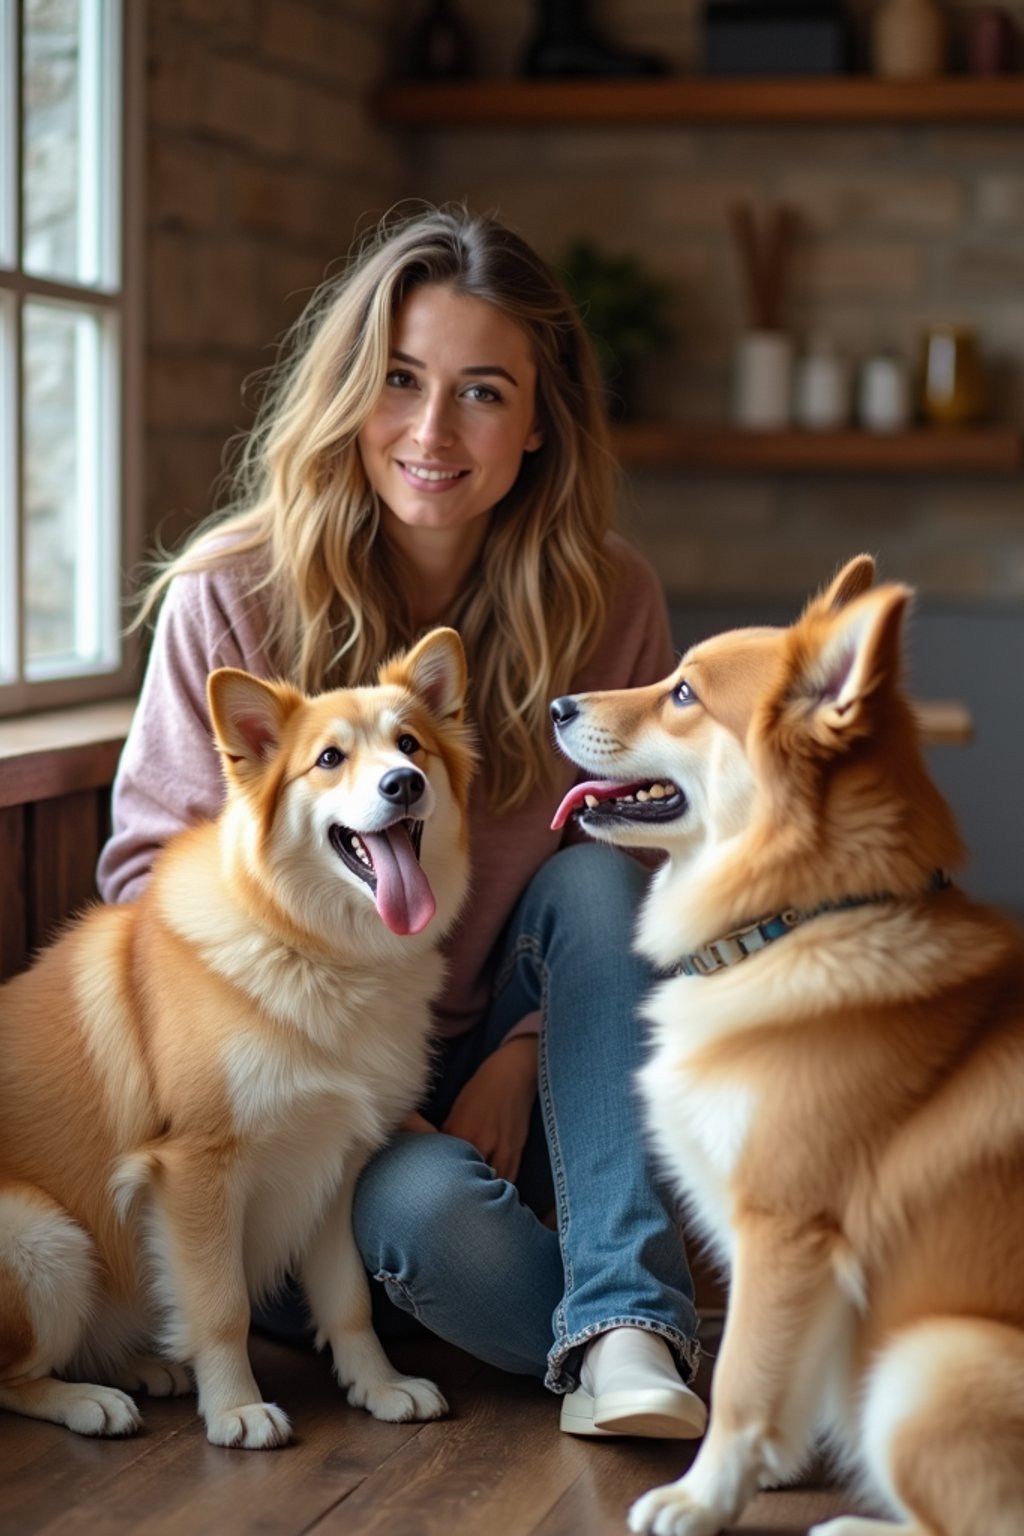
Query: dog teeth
{"type": "Point", "coordinates": [640, 796]}
{"type": "Point", "coordinates": [359, 849]}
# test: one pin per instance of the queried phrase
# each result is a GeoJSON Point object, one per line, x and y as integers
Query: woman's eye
{"type": "Point", "coordinates": [399, 379]}
{"type": "Point", "coordinates": [408, 744]}
{"type": "Point", "coordinates": [330, 757]}
{"type": "Point", "coordinates": [684, 694]}
{"type": "Point", "coordinates": [482, 392]}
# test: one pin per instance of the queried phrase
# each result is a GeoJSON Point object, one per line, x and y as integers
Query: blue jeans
{"type": "Point", "coordinates": [464, 1251]}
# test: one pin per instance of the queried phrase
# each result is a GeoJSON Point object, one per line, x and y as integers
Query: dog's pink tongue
{"type": "Point", "coordinates": [601, 789]}
{"type": "Point", "coordinates": [404, 898]}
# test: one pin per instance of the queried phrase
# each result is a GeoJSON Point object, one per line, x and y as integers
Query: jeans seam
{"type": "Point", "coordinates": [525, 944]}
{"type": "Point", "coordinates": [559, 1323]}
{"type": "Point", "coordinates": [529, 947]}
{"type": "Point", "coordinates": [392, 1283]}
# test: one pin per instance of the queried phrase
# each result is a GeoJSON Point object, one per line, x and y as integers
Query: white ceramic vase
{"type": "Point", "coordinates": [763, 381]}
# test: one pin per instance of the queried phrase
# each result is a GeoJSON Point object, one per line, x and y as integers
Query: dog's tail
{"type": "Point", "coordinates": [132, 1175]}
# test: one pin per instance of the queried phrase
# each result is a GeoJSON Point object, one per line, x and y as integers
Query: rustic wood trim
{"type": "Point", "coordinates": [60, 753]}
{"type": "Point", "coordinates": [697, 99]}
{"type": "Point", "coordinates": [63, 845]}
{"type": "Point", "coordinates": [990, 449]}
{"type": "Point", "coordinates": [14, 945]}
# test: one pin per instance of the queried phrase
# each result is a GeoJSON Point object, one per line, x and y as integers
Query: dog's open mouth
{"type": "Point", "coordinates": [608, 800]}
{"type": "Point", "coordinates": [389, 863]}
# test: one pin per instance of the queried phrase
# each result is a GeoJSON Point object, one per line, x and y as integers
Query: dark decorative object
{"type": "Point", "coordinates": [909, 39]}
{"type": "Point", "coordinates": [776, 37]}
{"type": "Point", "coordinates": [625, 311]}
{"type": "Point", "coordinates": [566, 42]}
{"type": "Point", "coordinates": [440, 44]}
{"type": "Point", "coordinates": [992, 42]}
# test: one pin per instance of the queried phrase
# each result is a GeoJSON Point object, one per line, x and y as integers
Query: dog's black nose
{"type": "Point", "coordinates": [564, 710]}
{"type": "Point", "coordinates": [402, 786]}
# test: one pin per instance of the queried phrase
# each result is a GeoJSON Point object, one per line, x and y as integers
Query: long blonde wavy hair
{"type": "Point", "coordinates": [535, 605]}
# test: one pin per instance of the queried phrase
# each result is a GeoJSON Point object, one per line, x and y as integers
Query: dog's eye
{"type": "Point", "coordinates": [684, 694]}
{"type": "Point", "coordinates": [408, 744]}
{"type": "Point", "coordinates": [330, 757]}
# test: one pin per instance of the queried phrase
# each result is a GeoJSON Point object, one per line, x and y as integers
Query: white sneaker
{"type": "Point", "coordinates": [629, 1385]}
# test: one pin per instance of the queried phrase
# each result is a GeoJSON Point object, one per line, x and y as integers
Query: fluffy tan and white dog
{"type": "Point", "coordinates": [837, 1076]}
{"type": "Point", "coordinates": [190, 1084]}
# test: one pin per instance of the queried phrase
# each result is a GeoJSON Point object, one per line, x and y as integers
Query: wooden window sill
{"type": "Point", "coordinates": [62, 751]}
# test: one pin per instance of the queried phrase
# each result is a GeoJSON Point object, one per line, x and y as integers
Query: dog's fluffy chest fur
{"type": "Point", "coordinates": [699, 1125]}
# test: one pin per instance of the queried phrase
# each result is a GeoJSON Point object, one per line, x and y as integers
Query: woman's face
{"type": "Point", "coordinates": [458, 411]}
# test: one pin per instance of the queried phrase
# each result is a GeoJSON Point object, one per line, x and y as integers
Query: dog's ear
{"type": "Point", "coordinates": [435, 669]}
{"type": "Point", "coordinates": [248, 716]}
{"type": "Point", "coordinates": [859, 660]}
{"type": "Point", "coordinates": [851, 581]}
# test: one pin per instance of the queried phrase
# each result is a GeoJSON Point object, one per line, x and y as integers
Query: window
{"type": "Point", "coordinates": [69, 346]}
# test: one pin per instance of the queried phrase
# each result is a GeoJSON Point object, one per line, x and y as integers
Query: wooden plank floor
{"type": "Point", "coordinates": [498, 1464]}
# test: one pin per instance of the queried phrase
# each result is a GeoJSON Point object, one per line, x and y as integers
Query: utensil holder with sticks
{"type": "Point", "coordinates": [763, 381]}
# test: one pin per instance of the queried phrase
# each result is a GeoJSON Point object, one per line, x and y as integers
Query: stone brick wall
{"type": "Point", "coordinates": [901, 225]}
{"type": "Point", "coordinates": [262, 163]}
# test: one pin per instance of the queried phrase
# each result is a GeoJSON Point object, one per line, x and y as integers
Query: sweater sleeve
{"type": "Point", "coordinates": [169, 776]}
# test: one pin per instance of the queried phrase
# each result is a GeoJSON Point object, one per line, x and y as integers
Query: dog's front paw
{"type": "Point", "coordinates": [400, 1399]}
{"type": "Point", "coordinates": [253, 1427]}
{"type": "Point", "coordinates": [670, 1511]}
{"type": "Point", "coordinates": [90, 1410]}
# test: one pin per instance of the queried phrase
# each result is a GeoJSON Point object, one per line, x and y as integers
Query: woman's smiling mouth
{"type": "Point", "coordinates": [434, 475]}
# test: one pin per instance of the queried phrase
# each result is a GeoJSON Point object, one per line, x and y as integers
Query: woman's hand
{"type": "Point", "coordinates": [493, 1110]}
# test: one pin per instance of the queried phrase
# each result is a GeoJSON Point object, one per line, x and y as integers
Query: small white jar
{"type": "Point", "coordinates": [822, 388]}
{"type": "Point", "coordinates": [883, 395]}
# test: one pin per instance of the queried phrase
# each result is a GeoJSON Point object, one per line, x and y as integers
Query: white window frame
{"type": "Point", "coordinates": [120, 308]}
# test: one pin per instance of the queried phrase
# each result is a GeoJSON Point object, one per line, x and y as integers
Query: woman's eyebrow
{"type": "Point", "coordinates": [486, 368]}
{"type": "Point", "coordinates": [477, 371]}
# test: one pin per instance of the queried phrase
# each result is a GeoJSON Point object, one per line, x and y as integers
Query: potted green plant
{"type": "Point", "coordinates": [624, 309]}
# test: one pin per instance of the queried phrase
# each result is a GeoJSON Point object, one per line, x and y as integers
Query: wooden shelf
{"type": "Point", "coordinates": [700, 99]}
{"type": "Point", "coordinates": [921, 450]}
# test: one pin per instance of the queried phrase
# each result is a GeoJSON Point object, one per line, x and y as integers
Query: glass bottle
{"type": "Point", "coordinates": [440, 44]}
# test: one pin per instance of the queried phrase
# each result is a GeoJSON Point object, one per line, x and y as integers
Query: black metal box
{"type": "Point", "coordinates": [775, 37]}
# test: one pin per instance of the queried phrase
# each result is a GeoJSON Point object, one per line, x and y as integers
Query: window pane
{"type": "Point", "coordinates": [9, 623]}
{"type": "Point", "coordinates": [66, 112]}
{"type": "Point", "coordinates": [70, 548]}
{"type": "Point", "coordinates": [8, 132]}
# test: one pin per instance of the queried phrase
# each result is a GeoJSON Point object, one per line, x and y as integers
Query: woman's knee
{"type": "Point", "coordinates": [418, 1191]}
{"type": "Point", "coordinates": [596, 881]}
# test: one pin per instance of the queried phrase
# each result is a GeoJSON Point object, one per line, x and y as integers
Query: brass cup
{"type": "Point", "coordinates": [952, 385]}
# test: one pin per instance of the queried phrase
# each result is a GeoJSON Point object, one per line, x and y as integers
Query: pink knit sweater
{"type": "Point", "coordinates": [169, 775]}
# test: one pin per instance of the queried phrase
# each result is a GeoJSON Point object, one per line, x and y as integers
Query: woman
{"type": "Point", "coordinates": [434, 451]}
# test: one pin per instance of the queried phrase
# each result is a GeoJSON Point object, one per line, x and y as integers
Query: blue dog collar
{"type": "Point", "coordinates": [736, 946]}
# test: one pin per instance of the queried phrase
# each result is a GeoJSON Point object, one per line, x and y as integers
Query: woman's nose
{"type": "Point", "coordinates": [433, 427]}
